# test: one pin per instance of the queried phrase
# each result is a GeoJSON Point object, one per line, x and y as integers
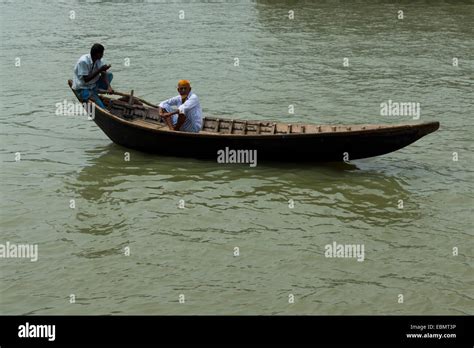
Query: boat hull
{"type": "Point", "coordinates": [314, 146]}
{"type": "Point", "coordinates": [324, 147]}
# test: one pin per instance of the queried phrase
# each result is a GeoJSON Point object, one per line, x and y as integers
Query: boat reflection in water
{"type": "Point", "coordinates": [121, 185]}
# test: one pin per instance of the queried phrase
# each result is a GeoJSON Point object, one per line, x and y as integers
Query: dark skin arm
{"type": "Point", "coordinates": [167, 118]}
{"type": "Point", "coordinates": [93, 74]}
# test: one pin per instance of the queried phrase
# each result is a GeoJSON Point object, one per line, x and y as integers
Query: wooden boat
{"type": "Point", "coordinates": [134, 123]}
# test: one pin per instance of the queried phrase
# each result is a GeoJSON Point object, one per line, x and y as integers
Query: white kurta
{"type": "Point", "coordinates": [191, 108]}
{"type": "Point", "coordinates": [84, 67]}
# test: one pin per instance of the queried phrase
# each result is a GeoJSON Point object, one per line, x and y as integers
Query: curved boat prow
{"type": "Point", "coordinates": [428, 127]}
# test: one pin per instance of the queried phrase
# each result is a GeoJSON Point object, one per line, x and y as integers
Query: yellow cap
{"type": "Point", "coordinates": [184, 83]}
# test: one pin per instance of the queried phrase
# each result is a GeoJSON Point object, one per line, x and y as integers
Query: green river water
{"type": "Point", "coordinates": [422, 251]}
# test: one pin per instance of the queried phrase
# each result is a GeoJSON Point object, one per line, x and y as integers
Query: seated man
{"type": "Point", "coordinates": [90, 73]}
{"type": "Point", "coordinates": [189, 110]}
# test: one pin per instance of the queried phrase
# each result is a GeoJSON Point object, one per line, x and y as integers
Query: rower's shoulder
{"type": "Point", "coordinates": [83, 58]}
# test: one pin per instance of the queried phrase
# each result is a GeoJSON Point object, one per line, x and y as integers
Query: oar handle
{"type": "Point", "coordinates": [101, 91]}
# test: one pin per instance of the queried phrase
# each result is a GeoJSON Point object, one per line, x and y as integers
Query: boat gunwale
{"type": "Point", "coordinates": [386, 128]}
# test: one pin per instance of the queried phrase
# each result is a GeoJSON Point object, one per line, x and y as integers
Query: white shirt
{"type": "Point", "coordinates": [83, 68]}
{"type": "Point", "coordinates": [191, 108]}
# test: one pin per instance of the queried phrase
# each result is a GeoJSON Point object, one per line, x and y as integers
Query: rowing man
{"type": "Point", "coordinates": [90, 74]}
{"type": "Point", "coordinates": [188, 116]}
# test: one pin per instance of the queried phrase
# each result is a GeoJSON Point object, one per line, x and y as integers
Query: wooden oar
{"type": "Point", "coordinates": [101, 91]}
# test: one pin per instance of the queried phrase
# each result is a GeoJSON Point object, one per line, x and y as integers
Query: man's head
{"type": "Point", "coordinates": [184, 87]}
{"type": "Point", "coordinates": [97, 51]}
